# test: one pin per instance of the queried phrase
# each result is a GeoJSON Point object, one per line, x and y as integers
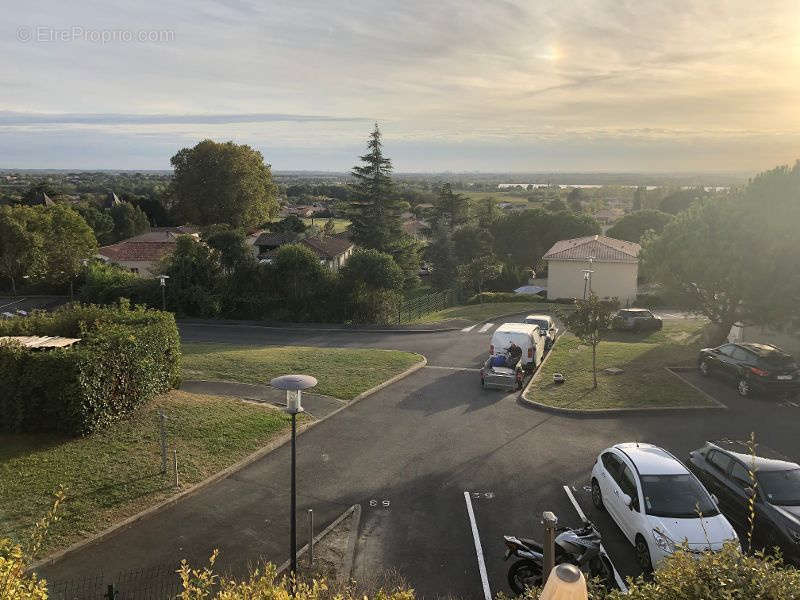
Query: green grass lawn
{"type": "Point", "coordinates": [644, 383]}
{"type": "Point", "coordinates": [481, 312]}
{"type": "Point", "coordinates": [116, 473]}
{"type": "Point", "coordinates": [342, 372]}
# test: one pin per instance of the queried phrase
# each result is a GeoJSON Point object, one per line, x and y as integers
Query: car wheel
{"type": "Point", "coordinates": [703, 366]}
{"type": "Point", "coordinates": [643, 554]}
{"type": "Point", "coordinates": [597, 495]}
{"type": "Point", "coordinates": [743, 387]}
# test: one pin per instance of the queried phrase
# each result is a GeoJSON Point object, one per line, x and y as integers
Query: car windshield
{"type": "Point", "coordinates": [543, 325]}
{"type": "Point", "coordinates": [781, 488]}
{"type": "Point", "coordinates": [678, 496]}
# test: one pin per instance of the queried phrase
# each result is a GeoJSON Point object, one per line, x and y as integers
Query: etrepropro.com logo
{"type": "Point", "coordinates": [46, 34]}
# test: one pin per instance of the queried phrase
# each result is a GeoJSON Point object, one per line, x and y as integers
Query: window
{"type": "Point", "coordinates": [719, 460]}
{"type": "Point", "coordinates": [781, 487]}
{"type": "Point", "coordinates": [628, 485]}
{"type": "Point", "coordinates": [741, 354]}
{"type": "Point", "coordinates": [677, 496]}
{"type": "Point", "coordinates": [740, 475]}
{"type": "Point", "coordinates": [612, 464]}
{"type": "Point", "coordinates": [727, 349]}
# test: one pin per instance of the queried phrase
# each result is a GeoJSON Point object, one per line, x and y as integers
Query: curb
{"type": "Point", "coordinates": [347, 565]}
{"type": "Point", "coordinates": [505, 316]}
{"type": "Point", "coordinates": [313, 329]}
{"type": "Point", "coordinates": [599, 412]}
{"type": "Point", "coordinates": [260, 453]}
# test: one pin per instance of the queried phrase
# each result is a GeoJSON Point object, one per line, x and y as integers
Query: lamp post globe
{"type": "Point", "coordinates": [294, 386]}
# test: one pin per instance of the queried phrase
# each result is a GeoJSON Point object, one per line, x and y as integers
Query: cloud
{"type": "Point", "coordinates": [31, 118]}
{"type": "Point", "coordinates": [295, 77]}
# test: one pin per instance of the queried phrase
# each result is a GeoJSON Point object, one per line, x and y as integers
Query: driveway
{"type": "Point", "coordinates": [407, 454]}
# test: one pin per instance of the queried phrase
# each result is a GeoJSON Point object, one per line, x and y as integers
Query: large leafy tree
{"type": "Point", "coordinates": [477, 272]}
{"type": "Point", "coordinates": [680, 200]}
{"type": "Point", "coordinates": [523, 238]}
{"type": "Point", "coordinates": [129, 220]}
{"type": "Point", "coordinates": [735, 258]}
{"type": "Point", "coordinates": [590, 322]}
{"type": "Point", "coordinates": [375, 209]}
{"type": "Point", "coordinates": [575, 199]}
{"type": "Point", "coordinates": [632, 227]}
{"type": "Point", "coordinates": [222, 183]}
{"type": "Point", "coordinates": [68, 242]}
{"type": "Point", "coordinates": [21, 243]}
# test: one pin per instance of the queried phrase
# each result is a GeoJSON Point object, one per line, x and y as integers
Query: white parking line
{"type": "Point", "coordinates": [478, 548]}
{"type": "Point", "coordinates": [468, 329]}
{"type": "Point", "coordinates": [582, 516]}
{"type": "Point", "coordinates": [486, 327]}
{"type": "Point", "coordinates": [575, 504]}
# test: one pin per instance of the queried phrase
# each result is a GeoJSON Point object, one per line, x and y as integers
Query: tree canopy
{"type": "Point", "coordinates": [736, 257]}
{"type": "Point", "coordinates": [375, 210]}
{"type": "Point", "coordinates": [222, 183]}
{"type": "Point", "coordinates": [633, 226]}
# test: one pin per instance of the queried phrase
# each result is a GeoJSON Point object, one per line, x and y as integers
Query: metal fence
{"type": "Point", "coordinates": [413, 308]}
{"type": "Point", "coordinates": [155, 583]}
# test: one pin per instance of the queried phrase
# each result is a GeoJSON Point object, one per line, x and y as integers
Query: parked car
{"type": "Point", "coordinates": [657, 503]}
{"type": "Point", "coordinates": [636, 319]}
{"type": "Point", "coordinates": [752, 367]}
{"type": "Point", "coordinates": [725, 468]}
{"type": "Point", "coordinates": [528, 337]}
{"type": "Point", "coordinates": [547, 326]}
{"type": "Point", "coordinates": [7, 315]}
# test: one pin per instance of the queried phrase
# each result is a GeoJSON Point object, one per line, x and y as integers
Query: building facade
{"type": "Point", "coordinates": [606, 266]}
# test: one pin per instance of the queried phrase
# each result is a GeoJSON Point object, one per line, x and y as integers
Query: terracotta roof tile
{"type": "Point", "coordinates": [604, 249]}
{"type": "Point", "coordinates": [139, 251]}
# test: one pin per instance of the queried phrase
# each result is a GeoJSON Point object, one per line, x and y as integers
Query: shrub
{"type": "Point", "coordinates": [648, 301]}
{"type": "Point", "coordinates": [493, 297]}
{"type": "Point", "coordinates": [125, 357]}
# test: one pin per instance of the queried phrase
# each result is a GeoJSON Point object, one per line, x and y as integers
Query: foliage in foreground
{"type": "Point", "coordinates": [725, 575]}
{"type": "Point", "coordinates": [125, 356]}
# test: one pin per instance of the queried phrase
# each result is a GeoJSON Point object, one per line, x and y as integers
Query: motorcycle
{"type": "Point", "coordinates": [581, 547]}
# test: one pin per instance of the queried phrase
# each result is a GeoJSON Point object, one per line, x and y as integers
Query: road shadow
{"type": "Point", "coordinates": [452, 390]}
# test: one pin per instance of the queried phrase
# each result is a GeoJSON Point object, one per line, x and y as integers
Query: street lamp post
{"type": "Point", "coordinates": [587, 276]}
{"type": "Point", "coordinates": [294, 385]}
{"type": "Point", "coordinates": [163, 279]}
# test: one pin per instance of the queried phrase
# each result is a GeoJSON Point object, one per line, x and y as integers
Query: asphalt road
{"type": "Point", "coordinates": [408, 454]}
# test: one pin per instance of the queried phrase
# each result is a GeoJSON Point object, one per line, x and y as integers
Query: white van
{"type": "Point", "coordinates": [528, 337]}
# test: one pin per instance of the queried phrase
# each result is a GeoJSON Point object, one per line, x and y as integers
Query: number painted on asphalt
{"type": "Point", "coordinates": [385, 503]}
{"type": "Point", "coordinates": [485, 495]}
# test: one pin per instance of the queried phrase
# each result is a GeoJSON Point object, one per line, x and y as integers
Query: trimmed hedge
{"type": "Point", "coordinates": [498, 297]}
{"type": "Point", "coordinates": [125, 357]}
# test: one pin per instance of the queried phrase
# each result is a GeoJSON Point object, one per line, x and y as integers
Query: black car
{"type": "Point", "coordinates": [752, 367]}
{"type": "Point", "coordinates": [636, 319]}
{"type": "Point", "coordinates": [724, 468]}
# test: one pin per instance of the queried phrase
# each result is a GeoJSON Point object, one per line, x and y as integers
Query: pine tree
{"type": "Point", "coordinates": [375, 211]}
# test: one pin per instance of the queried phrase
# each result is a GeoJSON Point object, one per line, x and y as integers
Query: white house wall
{"type": "Point", "coordinates": [609, 280]}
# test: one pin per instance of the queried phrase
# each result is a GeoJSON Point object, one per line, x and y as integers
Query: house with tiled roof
{"type": "Point", "coordinates": [603, 265]}
{"type": "Point", "coordinates": [142, 254]}
{"type": "Point", "coordinates": [332, 250]}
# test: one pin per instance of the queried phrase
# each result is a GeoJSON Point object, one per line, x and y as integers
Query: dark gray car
{"type": "Point", "coordinates": [725, 469]}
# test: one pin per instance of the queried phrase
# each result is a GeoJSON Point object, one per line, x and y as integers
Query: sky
{"type": "Point", "coordinates": [497, 86]}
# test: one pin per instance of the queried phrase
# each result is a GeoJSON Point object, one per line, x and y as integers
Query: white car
{"type": "Point", "coordinates": [657, 503]}
{"type": "Point", "coordinates": [546, 326]}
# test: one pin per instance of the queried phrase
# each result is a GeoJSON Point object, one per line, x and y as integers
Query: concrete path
{"type": "Point", "coordinates": [316, 405]}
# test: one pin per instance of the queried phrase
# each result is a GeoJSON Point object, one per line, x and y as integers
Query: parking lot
{"type": "Point", "coordinates": [408, 454]}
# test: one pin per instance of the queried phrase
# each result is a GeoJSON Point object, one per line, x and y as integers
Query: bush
{"type": "Point", "coordinates": [125, 357]}
{"type": "Point", "coordinates": [648, 301]}
{"type": "Point", "coordinates": [494, 297]}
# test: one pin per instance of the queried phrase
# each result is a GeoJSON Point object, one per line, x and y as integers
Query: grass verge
{"type": "Point", "coordinates": [116, 473]}
{"type": "Point", "coordinates": [481, 312]}
{"type": "Point", "coordinates": [342, 372]}
{"type": "Point", "coordinates": [643, 384]}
